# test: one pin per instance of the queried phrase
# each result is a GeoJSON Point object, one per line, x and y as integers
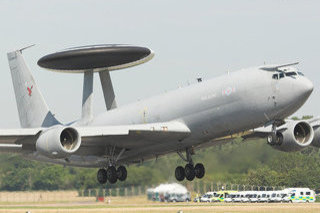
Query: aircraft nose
{"type": "Point", "coordinates": [307, 86]}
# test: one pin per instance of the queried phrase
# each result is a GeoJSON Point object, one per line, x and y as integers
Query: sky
{"type": "Point", "coordinates": [204, 38]}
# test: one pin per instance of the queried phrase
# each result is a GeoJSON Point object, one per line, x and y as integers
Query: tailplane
{"type": "Point", "coordinates": [33, 111]}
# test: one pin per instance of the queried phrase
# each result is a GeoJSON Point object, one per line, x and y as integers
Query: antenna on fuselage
{"type": "Point", "coordinates": [96, 58]}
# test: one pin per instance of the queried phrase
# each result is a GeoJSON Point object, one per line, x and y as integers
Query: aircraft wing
{"type": "Point", "coordinates": [138, 140]}
{"type": "Point", "coordinates": [263, 132]}
{"type": "Point", "coordinates": [17, 136]}
{"type": "Point", "coordinates": [11, 140]}
{"type": "Point", "coordinates": [315, 122]}
{"type": "Point", "coordinates": [95, 139]}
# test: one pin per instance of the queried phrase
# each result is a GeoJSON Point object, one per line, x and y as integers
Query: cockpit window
{"type": "Point", "coordinates": [275, 76]}
{"type": "Point", "coordinates": [280, 75]}
{"type": "Point", "coordinates": [291, 73]}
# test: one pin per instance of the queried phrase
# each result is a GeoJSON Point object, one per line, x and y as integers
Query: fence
{"type": "Point", "coordinates": [41, 196]}
{"type": "Point", "coordinates": [199, 187]}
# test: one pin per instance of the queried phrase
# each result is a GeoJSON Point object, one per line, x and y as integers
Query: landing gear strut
{"type": "Point", "coordinates": [112, 174]}
{"type": "Point", "coordinates": [275, 138]}
{"type": "Point", "coordinates": [189, 171]}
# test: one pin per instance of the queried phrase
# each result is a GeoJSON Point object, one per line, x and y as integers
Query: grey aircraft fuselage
{"type": "Point", "coordinates": [225, 105]}
{"type": "Point", "coordinates": [221, 106]}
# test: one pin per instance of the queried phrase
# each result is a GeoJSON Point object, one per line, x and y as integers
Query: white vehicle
{"type": "Point", "coordinates": [264, 196]}
{"type": "Point", "coordinates": [254, 197]}
{"type": "Point", "coordinates": [207, 197]}
{"type": "Point", "coordinates": [179, 198]}
{"type": "Point", "coordinates": [230, 198]}
{"type": "Point", "coordinates": [301, 195]}
{"type": "Point", "coordinates": [276, 196]}
{"type": "Point", "coordinates": [285, 197]}
{"type": "Point", "coordinates": [237, 197]}
{"type": "Point", "coordinates": [246, 197]}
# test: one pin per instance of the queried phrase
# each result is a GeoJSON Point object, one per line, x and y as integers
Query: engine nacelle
{"type": "Point", "coordinates": [297, 136]}
{"type": "Point", "coordinates": [58, 142]}
{"type": "Point", "coordinates": [316, 139]}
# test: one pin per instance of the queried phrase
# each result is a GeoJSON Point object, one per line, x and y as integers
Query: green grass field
{"type": "Point", "coordinates": [141, 204]}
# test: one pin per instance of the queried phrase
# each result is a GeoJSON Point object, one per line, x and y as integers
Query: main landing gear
{"type": "Point", "coordinates": [112, 174]}
{"type": "Point", "coordinates": [189, 171]}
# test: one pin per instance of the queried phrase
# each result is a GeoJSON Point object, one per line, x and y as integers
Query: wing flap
{"type": "Point", "coordinates": [129, 136]}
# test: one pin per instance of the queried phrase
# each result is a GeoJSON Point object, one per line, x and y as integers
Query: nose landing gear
{"type": "Point", "coordinates": [275, 137]}
{"type": "Point", "coordinates": [189, 171]}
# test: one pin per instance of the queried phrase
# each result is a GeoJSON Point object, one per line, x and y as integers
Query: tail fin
{"type": "Point", "coordinates": [33, 111]}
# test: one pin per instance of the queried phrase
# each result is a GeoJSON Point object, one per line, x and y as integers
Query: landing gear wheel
{"type": "Point", "coordinates": [275, 139]}
{"type": "Point", "coordinates": [112, 174]}
{"type": "Point", "coordinates": [270, 139]}
{"type": "Point", "coordinates": [179, 173]}
{"type": "Point", "coordinates": [199, 170]}
{"type": "Point", "coordinates": [102, 176]}
{"type": "Point", "coordinates": [122, 173]}
{"type": "Point", "coordinates": [189, 171]}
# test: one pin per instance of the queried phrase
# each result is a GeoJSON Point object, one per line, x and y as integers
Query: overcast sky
{"type": "Point", "coordinates": [190, 38]}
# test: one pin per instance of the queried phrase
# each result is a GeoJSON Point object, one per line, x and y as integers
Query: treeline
{"type": "Point", "coordinates": [249, 163]}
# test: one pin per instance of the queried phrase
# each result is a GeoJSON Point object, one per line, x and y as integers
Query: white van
{"type": "Point", "coordinates": [229, 198]}
{"type": "Point", "coordinates": [207, 197]}
{"type": "Point", "coordinates": [254, 197]}
{"type": "Point", "coordinates": [276, 196]}
{"type": "Point", "coordinates": [246, 197]}
{"type": "Point", "coordinates": [264, 196]}
{"type": "Point", "coordinates": [238, 197]}
{"type": "Point", "coordinates": [301, 195]}
{"type": "Point", "coordinates": [285, 197]}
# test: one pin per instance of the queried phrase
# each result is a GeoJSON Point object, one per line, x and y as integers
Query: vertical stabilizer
{"type": "Point", "coordinates": [33, 111]}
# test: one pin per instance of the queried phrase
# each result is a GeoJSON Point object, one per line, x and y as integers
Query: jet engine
{"type": "Point", "coordinates": [58, 142]}
{"type": "Point", "coordinates": [316, 139]}
{"type": "Point", "coordinates": [294, 137]}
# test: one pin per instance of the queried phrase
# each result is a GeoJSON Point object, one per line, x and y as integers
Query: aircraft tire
{"type": "Point", "coordinates": [189, 172]}
{"type": "Point", "coordinates": [199, 170]}
{"type": "Point", "coordinates": [102, 176]}
{"type": "Point", "coordinates": [122, 173]}
{"type": "Point", "coordinates": [112, 174]}
{"type": "Point", "coordinates": [179, 173]}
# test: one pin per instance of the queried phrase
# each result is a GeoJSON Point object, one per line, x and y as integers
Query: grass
{"type": "Point", "coordinates": [141, 204]}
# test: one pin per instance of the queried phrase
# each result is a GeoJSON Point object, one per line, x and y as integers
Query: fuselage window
{"type": "Point", "coordinates": [281, 75]}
